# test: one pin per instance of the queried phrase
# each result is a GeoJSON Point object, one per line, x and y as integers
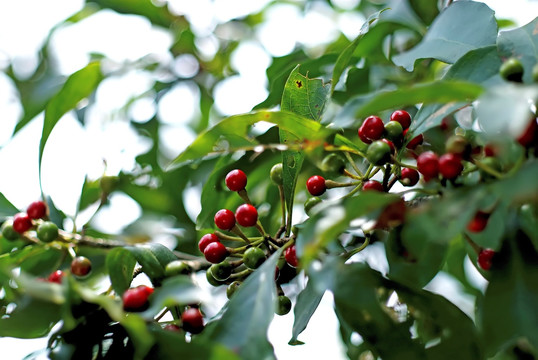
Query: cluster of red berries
{"type": "Point", "coordinates": [22, 222]}
{"type": "Point", "coordinates": [80, 267]}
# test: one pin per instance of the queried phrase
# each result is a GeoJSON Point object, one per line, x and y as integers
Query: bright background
{"type": "Point", "coordinates": [74, 151]}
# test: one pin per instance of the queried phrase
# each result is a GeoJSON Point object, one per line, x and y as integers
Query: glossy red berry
{"type": "Point", "coordinates": [373, 127]}
{"type": "Point", "coordinates": [172, 327]}
{"type": "Point", "coordinates": [428, 164]}
{"type": "Point", "coordinates": [22, 222]}
{"type": "Point", "coordinates": [450, 165]}
{"type": "Point", "coordinates": [236, 180]}
{"type": "Point", "coordinates": [409, 177]}
{"type": "Point", "coordinates": [81, 266]}
{"type": "Point", "coordinates": [37, 210]}
{"type": "Point", "coordinates": [56, 277]}
{"type": "Point", "coordinates": [372, 185]}
{"type": "Point", "coordinates": [402, 117]}
{"type": "Point", "coordinates": [215, 252]}
{"type": "Point", "coordinates": [414, 142]}
{"type": "Point", "coordinates": [192, 321]}
{"type": "Point", "coordinates": [206, 240]}
{"type": "Point", "coordinates": [484, 258]}
{"type": "Point", "coordinates": [478, 222]}
{"type": "Point", "coordinates": [363, 136]}
{"type": "Point", "coordinates": [316, 185]}
{"type": "Point", "coordinates": [530, 134]}
{"type": "Point", "coordinates": [246, 215]}
{"type": "Point", "coordinates": [291, 256]}
{"type": "Point", "coordinates": [136, 299]}
{"type": "Point", "coordinates": [225, 219]}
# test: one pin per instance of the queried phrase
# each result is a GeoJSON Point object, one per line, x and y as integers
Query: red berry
{"type": "Point", "coordinates": [428, 164]}
{"type": "Point", "coordinates": [363, 136]}
{"type": "Point", "coordinates": [390, 144]}
{"type": "Point", "coordinates": [478, 222]}
{"type": "Point", "coordinates": [450, 165]}
{"type": "Point", "coordinates": [246, 215]}
{"type": "Point", "coordinates": [529, 135]}
{"type": "Point", "coordinates": [291, 256]}
{"type": "Point", "coordinates": [484, 258]}
{"type": "Point", "coordinates": [490, 150]}
{"type": "Point", "coordinates": [81, 266]}
{"type": "Point", "coordinates": [56, 277]}
{"type": "Point", "coordinates": [172, 327]}
{"type": "Point", "coordinates": [215, 252]}
{"type": "Point", "coordinates": [225, 219]}
{"type": "Point", "coordinates": [236, 180]}
{"type": "Point", "coordinates": [402, 117]}
{"type": "Point", "coordinates": [414, 142]}
{"type": "Point", "coordinates": [372, 185]}
{"type": "Point", "coordinates": [136, 299]}
{"type": "Point", "coordinates": [37, 210]}
{"type": "Point", "coordinates": [409, 177]}
{"type": "Point", "coordinates": [316, 185]}
{"type": "Point", "coordinates": [206, 240]}
{"type": "Point", "coordinates": [22, 222]}
{"type": "Point", "coordinates": [373, 127]}
{"type": "Point", "coordinates": [192, 321]}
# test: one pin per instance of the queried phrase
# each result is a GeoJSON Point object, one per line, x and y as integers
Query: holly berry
{"type": "Point", "coordinates": [450, 166]}
{"type": "Point", "coordinates": [291, 256]}
{"type": "Point", "coordinates": [283, 305]}
{"type": "Point", "coordinates": [221, 271]}
{"type": "Point", "coordinates": [310, 203]}
{"type": "Point", "coordinates": [373, 127]}
{"type": "Point", "coordinates": [402, 117]}
{"type": "Point", "coordinates": [372, 185]}
{"type": "Point", "coordinates": [378, 153]}
{"type": "Point", "coordinates": [428, 164]}
{"type": "Point", "coordinates": [8, 231]}
{"type": "Point", "coordinates": [409, 177]}
{"type": "Point", "coordinates": [512, 70]}
{"type": "Point", "coordinates": [491, 162]}
{"type": "Point", "coordinates": [172, 327]}
{"type": "Point", "coordinates": [232, 288]}
{"type": "Point", "coordinates": [211, 279]}
{"type": "Point", "coordinates": [530, 134]}
{"type": "Point", "coordinates": [393, 130]}
{"type": "Point", "coordinates": [276, 174]}
{"type": "Point", "coordinates": [246, 215]}
{"type": "Point", "coordinates": [192, 321]}
{"type": "Point", "coordinates": [21, 222]}
{"type": "Point", "coordinates": [81, 266]}
{"type": "Point", "coordinates": [205, 240]}
{"type": "Point", "coordinates": [484, 258]}
{"type": "Point", "coordinates": [136, 299]}
{"type": "Point", "coordinates": [47, 231]}
{"type": "Point", "coordinates": [225, 219]}
{"type": "Point", "coordinates": [236, 180]}
{"type": "Point", "coordinates": [478, 222]}
{"type": "Point", "coordinates": [56, 277]}
{"type": "Point", "coordinates": [414, 142]}
{"type": "Point", "coordinates": [215, 252]}
{"type": "Point", "coordinates": [176, 267]}
{"type": "Point", "coordinates": [37, 210]}
{"type": "Point", "coordinates": [363, 136]}
{"type": "Point", "coordinates": [253, 257]}
{"type": "Point", "coordinates": [316, 185]}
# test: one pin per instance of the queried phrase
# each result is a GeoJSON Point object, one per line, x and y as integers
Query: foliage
{"type": "Point", "coordinates": [439, 64]}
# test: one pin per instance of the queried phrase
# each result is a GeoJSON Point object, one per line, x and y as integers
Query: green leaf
{"type": "Point", "coordinates": [244, 323]}
{"type": "Point", "coordinates": [463, 26]}
{"type": "Point", "coordinates": [435, 92]}
{"type": "Point", "coordinates": [90, 193]}
{"type": "Point", "coordinates": [6, 207]}
{"type": "Point", "coordinates": [77, 87]}
{"type": "Point", "coordinates": [307, 303]}
{"type": "Point", "coordinates": [521, 43]}
{"type": "Point", "coordinates": [239, 125]}
{"type": "Point", "coordinates": [157, 14]}
{"type": "Point", "coordinates": [427, 10]}
{"type": "Point", "coordinates": [344, 59]}
{"type": "Point", "coordinates": [120, 264]}
{"type": "Point", "coordinates": [153, 258]}
{"type": "Point", "coordinates": [342, 141]}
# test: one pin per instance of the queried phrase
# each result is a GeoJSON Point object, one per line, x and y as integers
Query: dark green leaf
{"type": "Point", "coordinates": [90, 194]}
{"type": "Point", "coordinates": [120, 264]}
{"type": "Point", "coordinates": [6, 207]}
{"type": "Point", "coordinates": [426, 9]}
{"type": "Point", "coordinates": [463, 26]}
{"type": "Point", "coordinates": [307, 303]}
{"type": "Point", "coordinates": [153, 258]}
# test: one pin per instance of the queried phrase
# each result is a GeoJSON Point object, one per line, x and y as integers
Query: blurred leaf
{"type": "Point", "coordinates": [44, 262]}
{"type": "Point", "coordinates": [77, 87]}
{"type": "Point", "coordinates": [6, 207]}
{"type": "Point", "coordinates": [340, 140]}
{"type": "Point", "coordinates": [463, 26]}
{"type": "Point", "coordinates": [90, 193]}
{"type": "Point", "coordinates": [427, 10]}
{"type": "Point", "coordinates": [158, 15]}
{"type": "Point", "coordinates": [307, 303]}
{"type": "Point", "coordinates": [244, 323]}
{"type": "Point", "coordinates": [120, 264]}
{"type": "Point", "coordinates": [522, 44]}
{"type": "Point", "coordinates": [153, 257]}
{"type": "Point", "coordinates": [238, 126]}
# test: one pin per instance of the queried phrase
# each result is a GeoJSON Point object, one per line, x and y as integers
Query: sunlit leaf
{"type": "Point", "coordinates": [120, 264]}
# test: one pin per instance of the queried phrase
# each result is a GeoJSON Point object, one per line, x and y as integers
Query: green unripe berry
{"type": "Point", "coordinates": [47, 231]}
{"type": "Point", "coordinates": [283, 306]}
{"type": "Point", "coordinates": [276, 174]}
{"type": "Point", "coordinates": [378, 153]}
{"type": "Point", "coordinates": [232, 288]}
{"type": "Point", "coordinates": [253, 257]}
{"type": "Point", "coordinates": [8, 232]}
{"type": "Point", "coordinates": [310, 203]}
{"type": "Point", "coordinates": [512, 70]}
{"type": "Point", "coordinates": [457, 144]}
{"type": "Point", "coordinates": [221, 271]}
{"type": "Point", "coordinates": [393, 131]}
{"type": "Point", "coordinates": [211, 279]}
{"type": "Point", "coordinates": [333, 163]}
{"type": "Point", "coordinates": [535, 73]}
{"type": "Point", "coordinates": [176, 267]}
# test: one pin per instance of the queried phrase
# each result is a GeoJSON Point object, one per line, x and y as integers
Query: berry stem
{"type": "Point", "coordinates": [488, 169]}
{"type": "Point", "coordinates": [241, 274]}
{"type": "Point", "coordinates": [161, 315]}
{"type": "Point", "coordinates": [353, 165]}
{"type": "Point", "coordinates": [260, 228]}
{"type": "Point", "coordinates": [330, 184]}
{"type": "Point", "coordinates": [282, 205]}
{"type": "Point", "coordinates": [236, 230]}
{"type": "Point", "coordinates": [474, 245]}
{"type": "Point", "coordinates": [397, 162]}
{"type": "Point", "coordinates": [386, 177]}
{"type": "Point", "coordinates": [223, 236]}
{"type": "Point", "coordinates": [349, 254]}
{"type": "Point", "coordinates": [350, 175]}
{"type": "Point", "coordinates": [243, 194]}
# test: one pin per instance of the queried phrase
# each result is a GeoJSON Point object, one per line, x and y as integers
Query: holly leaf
{"type": "Point", "coordinates": [153, 258]}
{"type": "Point", "coordinates": [307, 303]}
{"type": "Point", "coordinates": [120, 264]}
{"type": "Point", "coordinates": [6, 207]}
